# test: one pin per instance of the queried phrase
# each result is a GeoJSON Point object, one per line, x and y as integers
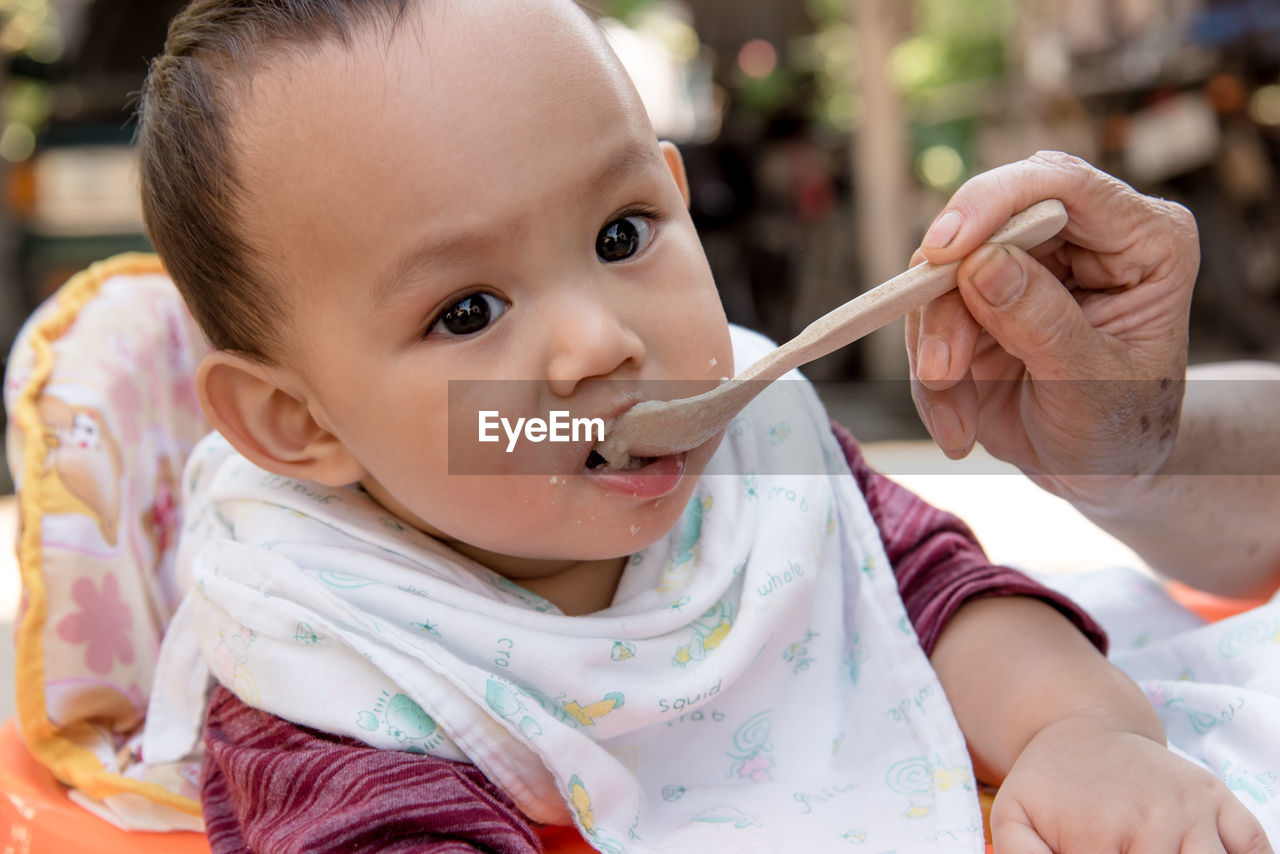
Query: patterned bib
{"type": "Point", "coordinates": [755, 685]}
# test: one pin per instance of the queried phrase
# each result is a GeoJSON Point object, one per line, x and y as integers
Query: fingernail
{"type": "Point", "coordinates": [947, 429]}
{"type": "Point", "coordinates": [933, 358]}
{"type": "Point", "coordinates": [999, 277]}
{"type": "Point", "coordinates": [943, 231]}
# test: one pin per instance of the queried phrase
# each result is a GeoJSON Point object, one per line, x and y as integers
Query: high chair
{"type": "Point", "coordinates": [101, 395]}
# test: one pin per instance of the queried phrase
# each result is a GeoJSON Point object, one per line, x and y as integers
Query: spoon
{"type": "Point", "coordinates": [656, 428]}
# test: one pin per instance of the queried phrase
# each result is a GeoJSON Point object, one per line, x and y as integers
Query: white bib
{"type": "Point", "coordinates": [755, 685]}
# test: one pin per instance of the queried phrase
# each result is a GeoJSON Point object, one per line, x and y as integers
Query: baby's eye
{"type": "Point", "coordinates": [623, 238]}
{"type": "Point", "coordinates": [469, 315]}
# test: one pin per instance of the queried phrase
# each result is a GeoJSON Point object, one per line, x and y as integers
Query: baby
{"type": "Point", "coordinates": [391, 218]}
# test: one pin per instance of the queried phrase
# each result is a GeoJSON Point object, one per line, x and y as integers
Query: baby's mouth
{"type": "Point", "coordinates": [595, 461]}
{"type": "Point", "coordinates": [642, 477]}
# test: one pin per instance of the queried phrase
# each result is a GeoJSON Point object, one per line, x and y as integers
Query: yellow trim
{"type": "Point", "coordinates": [55, 747]}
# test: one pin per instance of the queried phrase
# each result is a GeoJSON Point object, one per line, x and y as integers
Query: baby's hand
{"type": "Point", "coordinates": [1082, 786]}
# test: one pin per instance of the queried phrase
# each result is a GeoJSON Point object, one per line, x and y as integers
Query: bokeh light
{"type": "Point", "coordinates": [17, 143]}
{"type": "Point", "coordinates": [1264, 106]}
{"type": "Point", "coordinates": [757, 58]}
{"type": "Point", "coordinates": [940, 166]}
{"type": "Point", "coordinates": [915, 63]}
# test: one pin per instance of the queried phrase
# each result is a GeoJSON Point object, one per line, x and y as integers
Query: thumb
{"type": "Point", "coordinates": [1030, 313]}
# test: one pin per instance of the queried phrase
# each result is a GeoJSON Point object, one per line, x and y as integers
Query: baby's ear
{"type": "Point", "coordinates": [272, 428]}
{"type": "Point", "coordinates": [676, 164]}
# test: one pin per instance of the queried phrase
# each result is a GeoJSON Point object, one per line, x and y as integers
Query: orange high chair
{"type": "Point", "coordinates": [96, 455]}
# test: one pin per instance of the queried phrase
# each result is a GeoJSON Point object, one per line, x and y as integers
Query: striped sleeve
{"type": "Point", "coordinates": [271, 786]}
{"type": "Point", "coordinates": [938, 561]}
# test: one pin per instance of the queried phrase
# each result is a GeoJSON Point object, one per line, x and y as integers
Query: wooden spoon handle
{"type": "Point", "coordinates": [915, 287]}
{"type": "Point", "coordinates": [659, 427]}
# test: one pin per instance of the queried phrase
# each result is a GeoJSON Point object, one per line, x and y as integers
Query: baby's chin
{"type": "Point", "coordinates": [602, 536]}
{"type": "Point", "coordinates": [595, 540]}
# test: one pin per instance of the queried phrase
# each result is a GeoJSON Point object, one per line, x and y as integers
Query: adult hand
{"type": "Point", "coordinates": [1067, 361]}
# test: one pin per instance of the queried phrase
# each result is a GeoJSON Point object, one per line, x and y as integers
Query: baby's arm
{"type": "Point", "coordinates": [271, 785]}
{"type": "Point", "coordinates": [1076, 746]}
{"type": "Point", "coordinates": [938, 562]}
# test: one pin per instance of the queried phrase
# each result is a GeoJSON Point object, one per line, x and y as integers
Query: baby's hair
{"type": "Point", "coordinates": [188, 177]}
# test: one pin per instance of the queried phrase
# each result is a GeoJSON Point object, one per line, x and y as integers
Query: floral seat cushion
{"type": "Point", "coordinates": [103, 412]}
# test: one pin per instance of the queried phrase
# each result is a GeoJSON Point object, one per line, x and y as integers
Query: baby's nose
{"type": "Point", "coordinates": [591, 344]}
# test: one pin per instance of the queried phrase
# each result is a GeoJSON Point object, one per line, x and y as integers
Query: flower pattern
{"type": "Point", "coordinates": [102, 624]}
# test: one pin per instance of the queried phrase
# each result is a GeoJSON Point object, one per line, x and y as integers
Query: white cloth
{"type": "Point", "coordinates": [755, 685]}
{"type": "Point", "coordinates": [1216, 686]}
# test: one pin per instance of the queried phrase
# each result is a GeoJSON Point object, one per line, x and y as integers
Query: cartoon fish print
{"type": "Point", "coordinates": [505, 700]}
{"type": "Point", "coordinates": [306, 635]}
{"type": "Point", "coordinates": [710, 630]}
{"type": "Point", "coordinates": [580, 800]}
{"type": "Point", "coordinates": [727, 815]}
{"type": "Point", "coordinates": [587, 715]}
{"type": "Point", "coordinates": [1260, 787]}
{"type": "Point", "coordinates": [404, 720]}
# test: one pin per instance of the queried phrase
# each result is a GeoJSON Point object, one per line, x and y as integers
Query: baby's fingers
{"type": "Point", "coordinates": [1240, 831]}
{"type": "Point", "coordinates": [1013, 833]}
{"type": "Point", "coordinates": [1234, 830]}
{"type": "Point", "coordinates": [1200, 839]}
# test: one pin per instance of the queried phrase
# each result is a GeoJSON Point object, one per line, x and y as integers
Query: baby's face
{"type": "Point", "coordinates": [480, 197]}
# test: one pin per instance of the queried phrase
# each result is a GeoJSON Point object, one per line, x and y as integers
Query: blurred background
{"type": "Point", "coordinates": [821, 137]}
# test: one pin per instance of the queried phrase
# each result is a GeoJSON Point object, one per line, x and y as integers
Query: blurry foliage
{"type": "Point", "coordinates": [958, 47]}
{"type": "Point", "coordinates": [955, 42]}
{"type": "Point", "coordinates": [29, 29]}
{"type": "Point", "coordinates": [623, 10]}
{"type": "Point", "coordinates": [830, 57]}
{"type": "Point", "coordinates": [767, 95]}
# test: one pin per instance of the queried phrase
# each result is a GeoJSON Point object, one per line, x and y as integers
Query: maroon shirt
{"type": "Point", "coordinates": [272, 786]}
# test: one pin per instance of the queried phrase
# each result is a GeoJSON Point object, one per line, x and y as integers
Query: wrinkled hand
{"type": "Point", "coordinates": [1094, 321]}
{"type": "Point", "coordinates": [1081, 788]}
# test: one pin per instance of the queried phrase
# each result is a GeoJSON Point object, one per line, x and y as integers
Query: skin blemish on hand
{"type": "Point", "coordinates": [714, 362]}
